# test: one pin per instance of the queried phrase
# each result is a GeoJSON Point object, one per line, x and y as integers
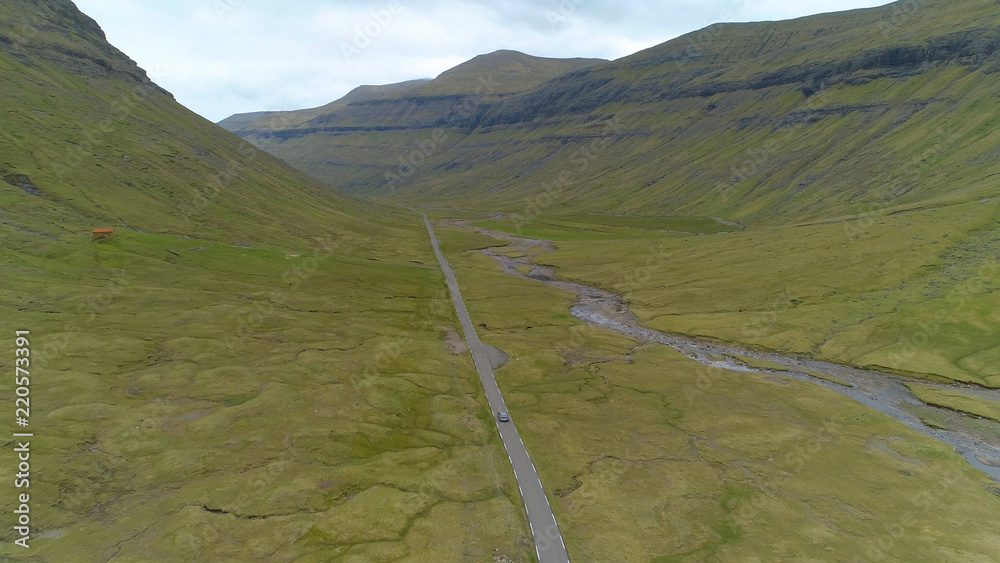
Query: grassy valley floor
{"type": "Point", "coordinates": [910, 290]}
{"type": "Point", "coordinates": [648, 455]}
{"type": "Point", "coordinates": [196, 400]}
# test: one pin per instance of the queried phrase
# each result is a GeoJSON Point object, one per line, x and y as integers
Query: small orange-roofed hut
{"type": "Point", "coordinates": [103, 232]}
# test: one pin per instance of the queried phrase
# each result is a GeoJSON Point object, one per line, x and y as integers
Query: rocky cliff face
{"type": "Point", "coordinates": [55, 32]}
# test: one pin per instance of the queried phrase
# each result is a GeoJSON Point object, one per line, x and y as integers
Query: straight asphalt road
{"type": "Point", "coordinates": [549, 544]}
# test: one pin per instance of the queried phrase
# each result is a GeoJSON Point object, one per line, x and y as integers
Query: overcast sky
{"type": "Point", "coordinates": [220, 57]}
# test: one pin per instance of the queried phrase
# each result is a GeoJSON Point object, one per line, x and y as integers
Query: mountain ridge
{"type": "Point", "coordinates": [259, 367]}
{"type": "Point", "coordinates": [446, 101]}
{"type": "Point", "coordinates": [875, 81]}
{"type": "Point", "coordinates": [244, 121]}
{"type": "Point", "coordinates": [501, 72]}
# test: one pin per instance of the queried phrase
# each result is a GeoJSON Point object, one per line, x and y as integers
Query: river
{"type": "Point", "coordinates": [977, 440]}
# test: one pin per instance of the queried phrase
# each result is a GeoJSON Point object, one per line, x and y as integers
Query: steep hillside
{"type": "Point", "coordinates": [498, 73]}
{"type": "Point", "coordinates": [810, 118]}
{"type": "Point", "coordinates": [222, 380]}
{"type": "Point", "coordinates": [852, 157]}
{"type": "Point", "coordinates": [859, 149]}
{"type": "Point", "coordinates": [104, 146]}
{"type": "Point", "coordinates": [352, 142]}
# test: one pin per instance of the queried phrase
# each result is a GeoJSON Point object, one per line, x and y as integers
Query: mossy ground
{"type": "Point", "coordinates": [961, 401]}
{"type": "Point", "coordinates": [194, 398]}
{"type": "Point", "coordinates": [912, 291]}
{"type": "Point", "coordinates": [648, 455]}
{"type": "Point", "coordinates": [202, 401]}
{"type": "Point", "coordinates": [254, 368]}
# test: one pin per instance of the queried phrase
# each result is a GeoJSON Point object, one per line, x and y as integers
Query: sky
{"type": "Point", "coordinates": [220, 57]}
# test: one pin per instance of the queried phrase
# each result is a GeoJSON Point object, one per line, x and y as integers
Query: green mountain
{"type": "Point", "coordinates": [502, 72]}
{"type": "Point", "coordinates": [808, 118]}
{"type": "Point", "coordinates": [95, 143]}
{"type": "Point", "coordinates": [498, 73]}
{"type": "Point", "coordinates": [870, 131]}
{"type": "Point", "coordinates": [358, 138]}
{"type": "Point", "coordinates": [258, 367]}
{"type": "Point", "coordinates": [854, 155]}
{"type": "Point", "coordinates": [222, 379]}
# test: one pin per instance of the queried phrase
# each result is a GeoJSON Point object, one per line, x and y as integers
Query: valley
{"type": "Point", "coordinates": [549, 543]}
{"type": "Point", "coordinates": [645, 451]}
{"type": "Point", "coordinates": [737, 293]}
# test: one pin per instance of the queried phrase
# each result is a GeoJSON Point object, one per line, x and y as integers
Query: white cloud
{"type": "Point", "coordinates": [221, 57]}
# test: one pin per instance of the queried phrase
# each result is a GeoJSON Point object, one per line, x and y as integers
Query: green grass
{"type": "Point", "coordinates": [196, 405]}
{"type": "Point", "coordinates": [549, 228]}
{"type": "Point", "coordinates": [909, 292]}
{"type": "Point", "coordinates": [466, 240]}
{"type": "Point", "coordinates": [957, 400]}
{"type": "Point", "coordinates": [199, 393]}
{"type": "Point", "coordinates": [602, 227]}
{"type": "Point", "coordinates": [652, 456]}
{"type": "Point", "coordinates": [759, 363]}
{"type": "Point", "coordinates": [692, 225]}
{"type": "Point", "coordinates": [254, 368]}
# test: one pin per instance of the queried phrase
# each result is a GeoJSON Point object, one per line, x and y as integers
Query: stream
{"type": "Point", "coordinates": [977, 440]}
